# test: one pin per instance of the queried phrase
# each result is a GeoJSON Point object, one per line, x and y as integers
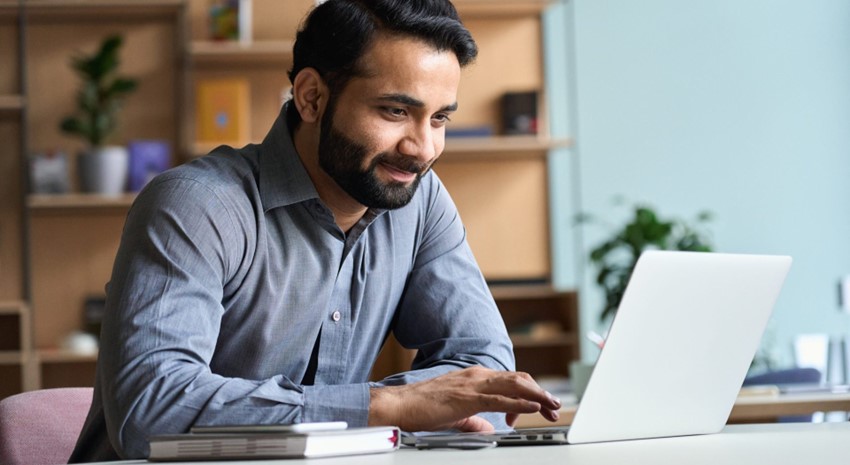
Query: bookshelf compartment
{"type": "Point", "coordinates": [543, 324]}
{"type": "Point", "coordinates": [67, 373]}
{"type": "Point", "coordinates": [10, 333]}
{"type": "Point", "coordinates": [10, 380]}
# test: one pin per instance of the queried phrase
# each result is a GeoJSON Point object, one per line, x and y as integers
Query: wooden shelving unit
{"type": "Point", "coordinates": [68, 241]}
{"type": "Point", "coordinates": [71, 239]}
{"type": "Point", "coordinates": [15, 329]}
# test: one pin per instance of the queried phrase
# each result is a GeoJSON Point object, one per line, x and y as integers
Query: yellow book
{"type": "Point", "coordinates": [222, 111]}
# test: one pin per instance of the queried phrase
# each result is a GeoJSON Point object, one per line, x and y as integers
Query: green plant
{"type": "Point", "coordinates": [100, 95]}
{"type": "Point", "coordinates": [616, 257]}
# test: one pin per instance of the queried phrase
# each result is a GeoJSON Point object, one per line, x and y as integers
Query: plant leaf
{"type": "Point", "coordinates": [122, 86]}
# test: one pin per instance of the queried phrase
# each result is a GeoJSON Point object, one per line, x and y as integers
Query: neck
{"type": "Point", "coordinates": [347, 211]}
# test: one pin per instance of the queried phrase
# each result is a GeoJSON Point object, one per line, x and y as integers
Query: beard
{"type": "Point", "coordinates": [342, 159]}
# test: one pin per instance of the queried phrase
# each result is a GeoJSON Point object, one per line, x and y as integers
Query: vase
{"type": "Point", "coordinates": [103, 170]}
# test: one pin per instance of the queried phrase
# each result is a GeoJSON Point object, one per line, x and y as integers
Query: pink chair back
{"type": "Point", "coordinates": [41, 427]}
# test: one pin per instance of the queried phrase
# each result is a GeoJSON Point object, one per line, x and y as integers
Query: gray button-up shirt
{"type": "Point", "coordinates": [229, 270]}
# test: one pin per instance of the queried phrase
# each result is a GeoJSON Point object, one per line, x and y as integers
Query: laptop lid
{"type": "Point", "coordinates": [680, 345]}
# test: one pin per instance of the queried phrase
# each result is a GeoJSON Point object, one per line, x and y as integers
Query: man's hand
{"type": "Point", "coordinates": [451, 401]}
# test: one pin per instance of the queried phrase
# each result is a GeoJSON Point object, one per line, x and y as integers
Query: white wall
{"type": "Point", "coordinates": [741, 107]}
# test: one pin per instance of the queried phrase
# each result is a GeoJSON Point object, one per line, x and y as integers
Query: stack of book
{"type": "Point", "coordinates": [273, 442]}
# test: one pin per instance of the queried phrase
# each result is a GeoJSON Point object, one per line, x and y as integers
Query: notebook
{"type": "Point", "coordinates": [677, 351]}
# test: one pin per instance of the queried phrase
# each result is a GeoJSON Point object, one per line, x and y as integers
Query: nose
{"type": "Point", "coordinates": [420, 142]}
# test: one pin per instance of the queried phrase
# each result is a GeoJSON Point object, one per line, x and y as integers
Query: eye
{"type": "Point", "coordinates": [440, 119]}
{"type": "Point", "coordinates": [395, 111]}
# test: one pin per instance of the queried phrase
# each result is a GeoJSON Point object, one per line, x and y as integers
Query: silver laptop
{"type": "Point", "coordinates": [677, 351]}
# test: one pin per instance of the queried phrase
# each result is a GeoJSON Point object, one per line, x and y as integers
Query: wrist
{"type": "Point", "coordinates": [383, 406]}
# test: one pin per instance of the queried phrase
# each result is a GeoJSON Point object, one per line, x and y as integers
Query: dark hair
{"type": "Point", "coordinates": [336, 34]}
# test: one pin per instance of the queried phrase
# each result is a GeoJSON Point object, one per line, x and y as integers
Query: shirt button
{"type": "Point", "coordinates": [336, 315]}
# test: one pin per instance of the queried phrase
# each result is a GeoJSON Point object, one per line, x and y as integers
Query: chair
{"type": "Point", "coordinates": [785, 377]}
{"type": "Point", "coordinates": [41, 427]}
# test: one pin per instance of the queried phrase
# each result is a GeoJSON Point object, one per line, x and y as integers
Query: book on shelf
{"type": "Point", "coordinates": [263, 444]}
{"type": "Point", "coordinates": [223, 110]}
{"type": "Point", "coordinates": [230, 20]}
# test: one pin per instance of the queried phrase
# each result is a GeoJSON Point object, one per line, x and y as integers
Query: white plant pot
{"type": "Point", "coordinates": [104, 170]}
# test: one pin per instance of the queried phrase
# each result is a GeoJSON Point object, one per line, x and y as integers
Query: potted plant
{"type": "Point", "coordinates": [616, 257]}
{"type": "Point", "coordinates": [102, 168]}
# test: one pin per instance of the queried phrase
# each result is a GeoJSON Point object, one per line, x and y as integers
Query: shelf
{"type": "Point", "coordinates": [521, 341]}
{"type": "Point", "coordinates": [12, 357]}
{"type": "Point", "coordinates": [532, 291]}
{"type": "Point", "coordinates": [98, 10]}
{"type": "Point", "coordinates": [471, 148]}
{"type": "Point", "coordinates": [65, 201]}
{"type": "Point", "coordinates": [12, 307]}
{"type": "Point", "coordinates": [11, 104]}
{"type": "Point", "coordinates": [261, 52]}
{"type": "Point", "coordinates": [501, 8]}
{"type": "Point", "coordinates": [461, 148]}
{"type": "Point", "coordinates": [9, 10]}
{"type": "Point", "coordinates": [63, 356]}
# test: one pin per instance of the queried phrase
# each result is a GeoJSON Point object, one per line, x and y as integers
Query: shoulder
{"type": "Point", "coordinates": [220, 185]}
{"type": "Point", "coordinates": [223, 169]}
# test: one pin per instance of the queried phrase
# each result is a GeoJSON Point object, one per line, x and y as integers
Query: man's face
{"type": "Point", "coordinates": [385, 131]}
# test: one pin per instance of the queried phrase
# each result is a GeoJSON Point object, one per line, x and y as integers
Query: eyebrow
{"type": "Point", "coordinates": [413, 102]}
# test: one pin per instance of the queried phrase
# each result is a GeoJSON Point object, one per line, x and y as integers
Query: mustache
{"type": "Point", "coordinates": [401, 162]}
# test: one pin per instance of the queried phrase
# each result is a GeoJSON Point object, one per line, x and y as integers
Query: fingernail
{"type": "Point", "coordinates": [554, 399]}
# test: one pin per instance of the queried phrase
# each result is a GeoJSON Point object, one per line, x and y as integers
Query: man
{"type": "Point", "coordinates": [258, 285]}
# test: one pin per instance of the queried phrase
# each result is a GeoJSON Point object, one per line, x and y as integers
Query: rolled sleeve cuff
{"type": "Point", "coordinates": [348, 403]}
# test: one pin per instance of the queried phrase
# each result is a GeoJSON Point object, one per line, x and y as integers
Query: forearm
{"type": "Point", "coordinates": [183, 398]}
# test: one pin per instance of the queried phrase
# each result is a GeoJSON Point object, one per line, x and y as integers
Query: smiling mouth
{"type": "Point", "coordinates": [399, 175]}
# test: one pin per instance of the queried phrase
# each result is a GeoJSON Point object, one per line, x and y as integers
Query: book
{"type": "Point", "coordinates": [222, 108]}
{"type": "Point", "coordinates": [271, 445]}
{"type": "Point", "coordinates": [148, 158]}
{"type": "Point", "coordinates": [469, 131]}
{"type": "Point", "coordinates": [230, 20]}
{"type": "Point", "coordinates": [293, 428]}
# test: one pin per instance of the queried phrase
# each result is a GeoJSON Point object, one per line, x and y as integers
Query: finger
{"type": "Point", "coordinates": [551, 415]}
{"type": "Point", "coordinates": [474, 424]}
{"type": "Point", "coordinates": [551, 402]}
{"type": "Point", "coordinates": [511, 418]}
{"type": "Point", "coordinates": [501, 403]}
{"type": "Point", "coordinates": [522, 386]}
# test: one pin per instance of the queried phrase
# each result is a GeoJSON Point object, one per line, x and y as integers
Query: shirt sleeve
{"type": "Point", "coordinates": [447, 312]}
{"type": "Point", "coordinates": [180, 247]}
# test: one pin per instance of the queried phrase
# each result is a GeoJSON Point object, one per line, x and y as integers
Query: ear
{"type": "Point", "coordinates": [310, 95]}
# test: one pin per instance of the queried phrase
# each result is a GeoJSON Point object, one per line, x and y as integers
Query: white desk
{"type": "Point", "coordinates": [766, 444]}
{"type": "Point", "coordinates": [747, 409]}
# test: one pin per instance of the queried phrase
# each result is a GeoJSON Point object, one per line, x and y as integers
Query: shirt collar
{"type": "Point", "coordinates": [283, 178]}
